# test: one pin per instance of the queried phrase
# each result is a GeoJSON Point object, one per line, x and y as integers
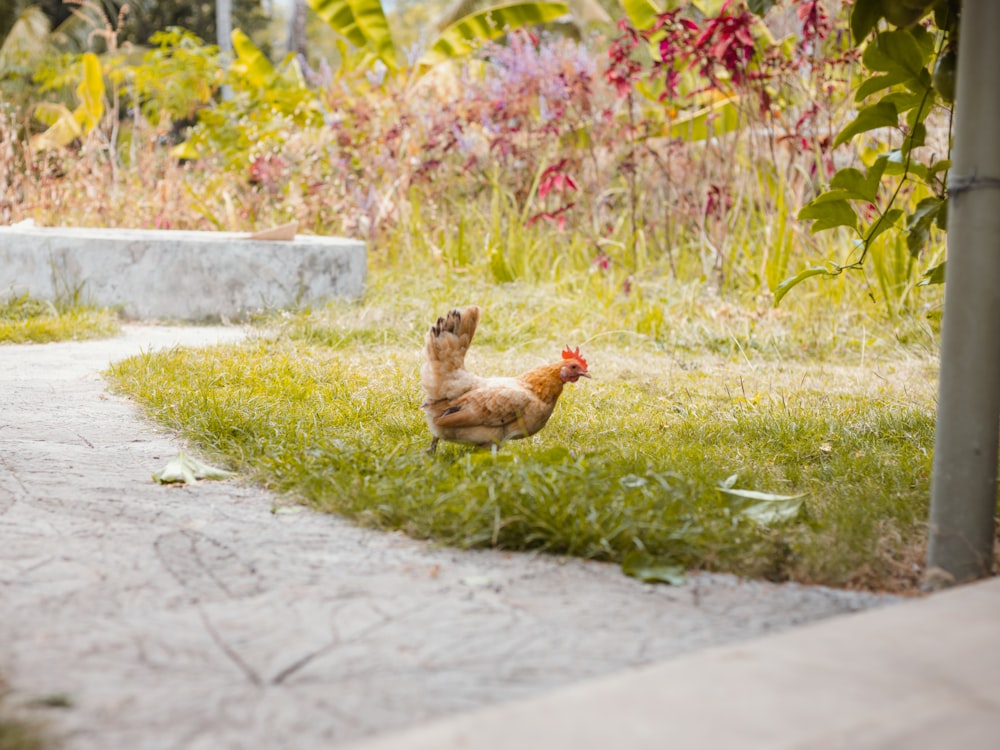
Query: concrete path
{"type": "Point", "coordinates": [196, 617]}
{"type": "Point", "coordinates": [920, 676]}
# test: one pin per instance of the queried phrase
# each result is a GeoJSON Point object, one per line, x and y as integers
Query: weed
{"type": "Point", "coordinates": [26, 319]}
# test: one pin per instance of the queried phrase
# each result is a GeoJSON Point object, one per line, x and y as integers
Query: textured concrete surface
{"type": "Point", "coordinates": [919, 676]}
{"type": "Point", "coordinates": [196, 617]}
{"type": "Point", "coordinates": [179, 275]}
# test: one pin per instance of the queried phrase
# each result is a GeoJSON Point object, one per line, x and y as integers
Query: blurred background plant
{"type": "Point", "coordinates": [537, 141]}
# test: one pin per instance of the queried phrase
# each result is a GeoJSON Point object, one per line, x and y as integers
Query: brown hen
{"type": "Point", "coordinates": [464, 408]}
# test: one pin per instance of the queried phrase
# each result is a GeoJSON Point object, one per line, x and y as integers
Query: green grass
{"type": "Point", "coordinates": [24, 319]}
{"type": "Point", "coordinates": [17, 733]}
{"type": "Point", "coordinates": [325, 407]}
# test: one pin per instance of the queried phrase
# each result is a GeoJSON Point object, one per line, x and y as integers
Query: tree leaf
{"type": "Point", "coordinates": [876, 83]}
{"type": "Point", "coordinates": [829, 214]}
{"type": "Point", "coordinates": [879, 115]}
{"type": "Point", "coordinates": [885, 222]}
{"type": "Point", "coordinates": [767, 508]}
{"type": "Point", "coordinates": [783, 288]}
{"type": "Point", "coordinates": [864, 16]}
{"type": "Point", "coordinates": [761, 7]}
{"type": "Point", "coordinates": [918, 224]}
{"type": "Point", "coordinates": [895, 52]}
{"type": "Point", "coordinates": [933, 275]}
{"type": "Point", "coordinates": [362, 23]}
{"type": "Point", "coordinates": [257, 67]}
{"type": "Point", "coordinates": [642, 13]}
{"type": "Point", "coordinates": [650, 569]}
{"type": "Point", "coordinates": [458, 39]}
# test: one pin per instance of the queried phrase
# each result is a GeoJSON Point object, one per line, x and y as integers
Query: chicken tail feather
{"type": "Point", "coordinates": [443, 373]}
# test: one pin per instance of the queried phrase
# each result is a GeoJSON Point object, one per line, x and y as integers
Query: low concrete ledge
{"type": "Point", "coordinates": [183, 275]}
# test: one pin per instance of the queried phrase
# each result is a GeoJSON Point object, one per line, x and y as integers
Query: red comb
{"type": "Point", "coordinates": [574, 354]}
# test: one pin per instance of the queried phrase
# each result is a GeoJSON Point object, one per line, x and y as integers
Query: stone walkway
{"type": "Point", "coordinates": [195, 617]}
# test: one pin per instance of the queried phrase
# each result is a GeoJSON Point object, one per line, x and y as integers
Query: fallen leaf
{"type": "Point", "coordinates": [651, 569]}
{"type": "Point", "coordinates": [476, 581]}
{"type": "Point", "coordinates": [768, 508]}
{"type": "Point", "coordinates": [185, 469]}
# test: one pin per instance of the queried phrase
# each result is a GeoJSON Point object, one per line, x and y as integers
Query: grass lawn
{"type": "Point", "coordinates": [24, 319]}
{"type": "Point", "coordinates": [695, 405]}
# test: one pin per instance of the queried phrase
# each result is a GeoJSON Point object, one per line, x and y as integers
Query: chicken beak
{"type": "Point", "coordinates": [585, 374]}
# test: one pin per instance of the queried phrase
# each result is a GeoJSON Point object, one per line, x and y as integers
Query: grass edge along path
{"type": "Point", "coordinates": [805, 471]}
{"type": "Point", "coordinates": [25, 319]}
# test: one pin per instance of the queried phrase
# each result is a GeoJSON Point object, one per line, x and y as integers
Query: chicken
{"type": "Point", "coordinates": [465, 408]}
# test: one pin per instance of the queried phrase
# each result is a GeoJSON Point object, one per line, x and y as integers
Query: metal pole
{"type": "Point", "coordinates": [964, 482]}
{"type": "Point", "coordinates": [224, 25]}
{"type": "Point", "coordinates": [224, 34]}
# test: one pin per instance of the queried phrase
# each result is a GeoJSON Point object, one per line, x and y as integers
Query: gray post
{"type": "Point", "coordinates": [297, 27]}
{"type": "Point", "coordinates": [224, 32]}
{"type": "Point", "coordinates": [224, 25]}
{"type": "Point", "coordinates": [964, 482]}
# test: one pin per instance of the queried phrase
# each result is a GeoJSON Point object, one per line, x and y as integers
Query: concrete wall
{"type": "Point", "coordinates": [182, 275]}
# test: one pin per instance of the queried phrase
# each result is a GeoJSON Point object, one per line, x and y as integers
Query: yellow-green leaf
{"type": "Point", "coordinates": [718, 118]}
{"type": "Point", "coordinates": [185, 150]}
{"type": "Point", "coordinates": [785, 286]}
{"type": "Point", "coordinates": [91, 93]}
{"type": "Point", "coordinates": [881, 115]}
{"type": "Point", "coordinates": [362, 23]}
{"type": "Point", "coordinates": [255, 63]}
{"type": "Point", "coordinates": [642, 13]}
{"type": "Point", "coordinates": [459, 38]}
{"type": "Point", "coordinates": [63, 127]}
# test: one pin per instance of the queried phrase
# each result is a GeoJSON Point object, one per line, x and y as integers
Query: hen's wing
{"type": "Point", "coordinates": [443, 373]}
{"type": "Point", "coordinates": [495, 405]}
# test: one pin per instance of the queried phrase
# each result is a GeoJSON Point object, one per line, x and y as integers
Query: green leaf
{"type": "Point", "coordinates": [854, 184]}
{"type": "Point", "coordinates": [942, 165]}
{"type": "Point", "coordinates": [895, 52]}
{"type": "Point", "coordinates": [709, 122]}
{"type": "Point", "coordinates": [829, 214]}
{"type": "Point", "coordinates": [783, 288]}
{"type": "Point", "coordinates": [777, 510]}
{"type": "Point", "coordinates": [650, 569]}
{"type": "Point", "coordinates": [257, 67]}
{"type": "Point", "coordinates": [832, 196]}
{"type": "Point", "coordinates": [362, 23]}
{"type": "Point", "coordinates": [864, 16]}
{"type": "Point", "coordinates": [933, 275]}
{"type": "Point", "coordinates": [880, 115]}
{"type": "Point", "coordinates": [918, 224]}
{"type": "Point", "coordinates": [459, 38]}
{"type": "Point", "coordinates": [761, 7]}
{"type": "Point", "coordinates": [885, 222]}
{"type": "Point", "coordinates": [876, 83]}
{"type": "Point", "coordinates": [642, 13]}
{"type": "Point", "coordinates": [185, 469]}
{"type": "Point", "coordinates": [903, 101]}
{"type": "Point", "coordinates": [896, 164]}
{"type": "Point", "coordinates": [768, 508]}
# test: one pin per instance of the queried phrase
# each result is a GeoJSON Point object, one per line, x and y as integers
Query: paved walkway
{"type": "Point", "coordinates": [195, 617]}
